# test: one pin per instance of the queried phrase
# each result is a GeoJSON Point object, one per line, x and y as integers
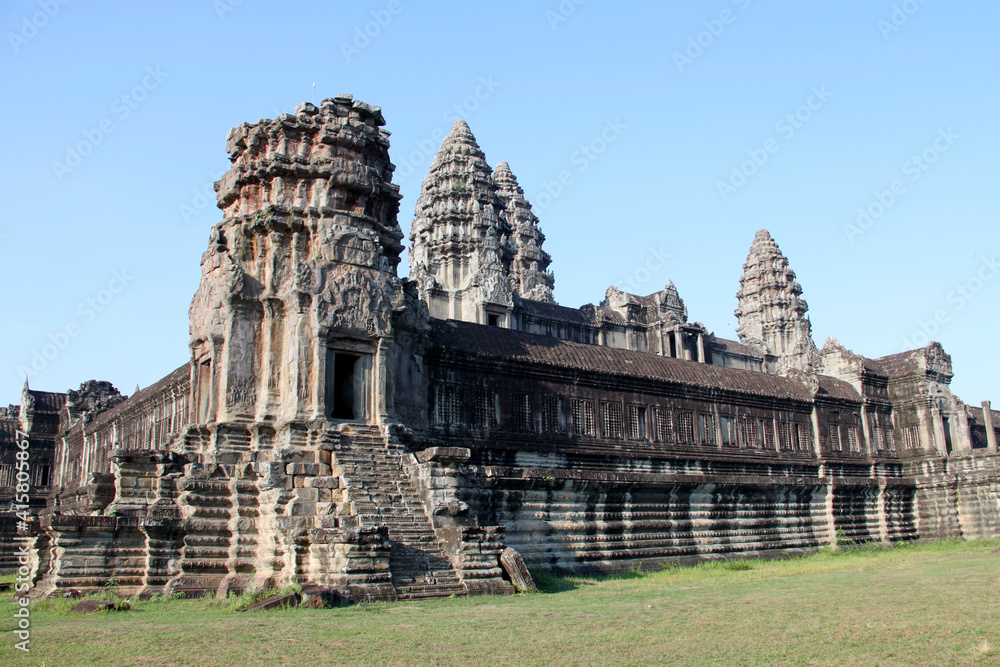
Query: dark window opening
{"type": "Point", "coordinates": [583, 417]}
{"type": "Point", "coordinates": [785, 436]}
{"type": "Point", "coordinates": [347, 385]}
{"type": "Point", "coordinates": [685, 426]}
{"type": "Point", "coordinates": [343, 386]}
{"type": "Point", "coordinates": [636, 422]}
{"type": "Point", "coordinates": [492, 319]}
{"type": "Point", "coordinates": [706, 429]}
{"type": "Point", "coordinates": [728, 428]}
{"type": "Point", "coordinates": [947, 435]}
{"type": "Point", "coordinates": [552, 419]}
{"type": "Point", "coordinates": [485, 409]}
{"type": "Point", "coordinates": [664, 425]}
{"type": "Point", "coordinates": [520, 413]}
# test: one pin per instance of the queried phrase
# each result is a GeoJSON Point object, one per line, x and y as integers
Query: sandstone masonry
{"type": "Point", "coordinates": [439, 434]}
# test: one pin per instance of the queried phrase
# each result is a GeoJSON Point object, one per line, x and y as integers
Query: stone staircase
{"type": "Point", "coordinates": [383, 495]}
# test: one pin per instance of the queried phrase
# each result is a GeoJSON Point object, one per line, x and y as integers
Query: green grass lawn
{"type": "Point", "coordinates": [936, 604]}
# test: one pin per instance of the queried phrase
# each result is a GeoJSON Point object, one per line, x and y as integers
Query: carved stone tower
{"type": "Point", "coordinates": [293, 317]}
{"type": "Point", "coordinates": [529, 269]}
{"type": "Point", "coordinates": [461, 240]}
{"type": "Point", "coordinates": [771, 311]}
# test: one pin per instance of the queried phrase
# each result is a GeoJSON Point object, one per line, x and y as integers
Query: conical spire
{"type": "Point", "coordinates": [460, 235]}
{"type": "Point", "coordinates": [771, 311]}
{"type": "Point", "coordinates": [529, 268]}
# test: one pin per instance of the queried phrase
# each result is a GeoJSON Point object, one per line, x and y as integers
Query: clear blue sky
{"type": "Point", "coordinates": [666, 123]}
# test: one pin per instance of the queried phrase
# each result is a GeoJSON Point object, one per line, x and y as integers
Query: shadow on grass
{"type": "Point", "coordinates": [549, 583]}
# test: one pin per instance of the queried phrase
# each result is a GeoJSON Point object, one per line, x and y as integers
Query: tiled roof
{"type": "Point", "coordinates": [902, 363]}
{"type": "Point", "coordinates": [137, 398]}
{"type": "Point", "coordinates": [518, 346]}
{"type": "Point", "coordinates": [8, 432]}
{"type": "Point", "coordinates": [587, 315]}
{"type": "Point", "coordinates": [554, 311]}
{"type": "Point", "coordinates": [874, 366]}
{"type": "Point", "coordinates": [734, 347]}
{"type": "Point", "coordinates": [834, 388]}
{"type": "Point", "coordinates": [48, 401]}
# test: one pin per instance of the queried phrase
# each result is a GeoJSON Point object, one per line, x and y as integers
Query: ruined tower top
{"type": "Point", "coordinates": [329, 162]}
{"type": "Point", "coordinates": [529, 268]}
{"type": "Point", "coordinates": [771, 311]}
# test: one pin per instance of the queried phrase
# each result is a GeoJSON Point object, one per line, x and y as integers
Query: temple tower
{"type": "Point", "coordinates": [461, 251]}
{"type": "Point", "coordinates": [771, 312]}
{"type": "Point", "coordinates": [293, 316]}
{"type": "Point", "coordinates": [529, 269]}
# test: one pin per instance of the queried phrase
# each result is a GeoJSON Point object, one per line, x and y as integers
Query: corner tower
{"type": "Point", "coordinates": [294, 312]}
{"type": "Point", "coordinates": [461, 251]}
{"type": "Point", "coordinates": [771, 312]}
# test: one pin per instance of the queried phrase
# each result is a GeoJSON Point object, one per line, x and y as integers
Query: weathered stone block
{"type": "Point", "coordinates": [194, 470]}
{"type": "Point", "coordinates": [303, 468]}
{"type": "Point", "coordinates": [443, 454]}
{"type": "Point", "coordinates": [307, 495]}
{"type": "Point", "coordinates": [513, 565]}
{"type": "Point", "coordinates": [291, 455]}
{"type": "Point", "coordinates": [299, 508]}
{"type": "Point", "coordinates": [276, 602]}
{"type": "Point", "coordinates": [325, 482]}
{"type": "Point", "coordinates": [91, 606]}
{"type": "Point", "coordinates": [270, 473]}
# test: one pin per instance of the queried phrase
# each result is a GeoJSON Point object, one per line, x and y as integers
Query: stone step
{"type": "Point", "coordinates": [429, 592]}
{"type": "Point", "coordinates": [401, 582]}
{"type": "Point", "coordinates": [383, 495]}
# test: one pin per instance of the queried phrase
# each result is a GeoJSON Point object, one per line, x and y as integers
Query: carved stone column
{"type": "Point", "coordinates": [991, 435]}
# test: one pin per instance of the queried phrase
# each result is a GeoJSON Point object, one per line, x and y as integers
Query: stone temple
{"type": "Point", "coordinates": [430, 436]}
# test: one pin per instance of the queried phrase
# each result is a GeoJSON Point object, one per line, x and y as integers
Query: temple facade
{"type": "Point", "coordinates": [435, 435]}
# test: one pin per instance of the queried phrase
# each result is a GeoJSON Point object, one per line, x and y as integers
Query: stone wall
{"type": "Point", "coordinates": [958, 497]}
{"type": "Point", "coordinates": [96, 425]}
{"type": "Point", "coordinates": [596, 458]}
